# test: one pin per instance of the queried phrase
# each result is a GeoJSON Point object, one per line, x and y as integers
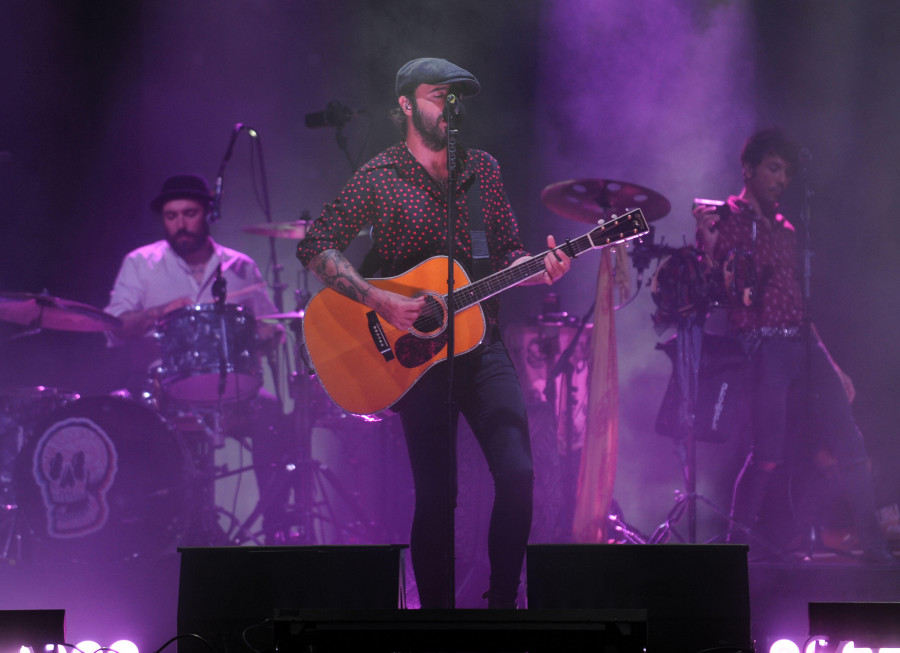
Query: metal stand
{"type": "Point", "coordinates": [686, 364]}
{"type": "Point", "coordinates": [299, 473]}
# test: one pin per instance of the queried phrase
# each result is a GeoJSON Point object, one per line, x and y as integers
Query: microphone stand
{"type": "Point", "coordinates": [216, 212]}
{"type": "Point", "coordinates": [806, 296]}
{"type": "Point", "coordinates": [277, 286]}
{"type": "Point", "coordinates": [451, 111]}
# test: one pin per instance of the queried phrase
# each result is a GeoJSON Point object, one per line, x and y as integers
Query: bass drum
{"type": "Point", "coordinates": [20, 408]}
{"type": "Point", "coordinates": [103, 479]}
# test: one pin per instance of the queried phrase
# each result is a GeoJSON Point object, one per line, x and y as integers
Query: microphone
{"type": "Point", "coordinates": [454, 109]}
{"type": "Point", "coordinates": [335, 115]}
{"type": "Point", "coordinates": [216, 211]}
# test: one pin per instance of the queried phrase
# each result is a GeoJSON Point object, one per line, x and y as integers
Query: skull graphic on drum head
{"type": "Point", "coordinates": [75, 465]}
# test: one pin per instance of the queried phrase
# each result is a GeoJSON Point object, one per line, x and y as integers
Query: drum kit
{"type": "Point", "coordinates": [126, 475]}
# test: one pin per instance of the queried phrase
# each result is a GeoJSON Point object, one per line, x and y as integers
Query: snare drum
{"type": "Point", "coordinates": [209, 353]}
{"type": "Point", "coordinates": [104, 479]}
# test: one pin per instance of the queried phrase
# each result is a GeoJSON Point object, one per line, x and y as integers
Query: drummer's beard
{"type": "Point", "coordinates": [186, 242]}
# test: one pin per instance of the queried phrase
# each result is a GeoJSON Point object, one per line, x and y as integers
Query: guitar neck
{"type": "Point", "coordinates": [485, 288]}
{"type": "Point", "coordinates": [625, 227]}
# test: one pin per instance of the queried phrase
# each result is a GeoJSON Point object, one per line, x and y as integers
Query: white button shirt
{"type": "Point", "coordinates": [154, 275]}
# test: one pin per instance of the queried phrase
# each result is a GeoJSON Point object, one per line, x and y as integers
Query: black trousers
{"type": "Point", "coordinates": [488, 394]}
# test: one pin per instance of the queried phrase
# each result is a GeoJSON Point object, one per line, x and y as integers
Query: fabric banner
{"type": "Point", "coordinates": [597, 475]}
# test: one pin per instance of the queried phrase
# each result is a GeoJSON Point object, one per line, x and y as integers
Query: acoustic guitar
{"type": "Point", "coordinates": [366, 365]}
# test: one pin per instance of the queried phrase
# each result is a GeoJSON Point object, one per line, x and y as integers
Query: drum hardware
{"type": "Point", "coordinates": [205, 528]}
{"type": "Point", "coordinates": [681, 291]}
{"type": "Point", "coordinates": [281, 317]}
{"type": "Point", "coordinates": [299, 473]}
{"type": "Point", "coordinates": [45, 312]}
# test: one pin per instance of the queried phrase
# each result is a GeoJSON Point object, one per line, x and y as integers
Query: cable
{"type": "Point", "coordinates": [185, 636]}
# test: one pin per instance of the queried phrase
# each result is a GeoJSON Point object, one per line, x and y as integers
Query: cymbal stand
{"type": "Point", "coordinates": [201, 442]}
{"type": "Point", "coordinates": [688, 344]}
{"type": "Point", "coordinates": [10, 432]}
{"type": "Point", "coordinates": [564, 411]}
{"type": "Point", "coordinates": [299, 472]}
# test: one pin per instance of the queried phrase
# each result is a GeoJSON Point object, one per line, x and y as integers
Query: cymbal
{"type": "Point", "coordinates": [296, 229]}
{"type": "Point", "coordinates": [46, 312]}
{"type": "Point", "coordinates": [294, 315]}
{"type": "Point", "coordinates": [590, 200]}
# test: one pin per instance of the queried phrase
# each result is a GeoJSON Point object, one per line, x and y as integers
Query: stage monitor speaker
{"type": "Point", "coordinates": [696, 596]}
{"type": "Point", "coordinates": [228, 595]}
{"type": "Point", "coordinates": [32, 628]}
{"type": "Point", "coordinates": [535, 631]}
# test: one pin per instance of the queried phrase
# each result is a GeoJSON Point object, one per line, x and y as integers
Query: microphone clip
{"type": "Point", "coordinates": [219, 288]}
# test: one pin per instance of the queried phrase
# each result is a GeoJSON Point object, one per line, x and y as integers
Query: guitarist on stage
{"type": "Point", "coordinates": [403, 193]}
{"type": "Point", "coordinates": [791, 373]}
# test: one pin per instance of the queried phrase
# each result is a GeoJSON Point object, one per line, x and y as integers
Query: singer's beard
{"type": "Point", "coordinates": [434, 135]}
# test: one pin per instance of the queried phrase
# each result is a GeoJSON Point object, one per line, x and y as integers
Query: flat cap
{"type": "Point", "coordinates": [429, 70]}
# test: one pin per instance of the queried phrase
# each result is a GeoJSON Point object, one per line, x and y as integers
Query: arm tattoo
{"type": "Point", "coordinates": [336, 272]}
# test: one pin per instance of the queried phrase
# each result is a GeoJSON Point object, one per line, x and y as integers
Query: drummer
{"type": "Point", "coordinates": [182, 270]}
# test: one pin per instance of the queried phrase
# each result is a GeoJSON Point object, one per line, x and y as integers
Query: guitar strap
{"type": "Point", "coordinates": [481, 257]}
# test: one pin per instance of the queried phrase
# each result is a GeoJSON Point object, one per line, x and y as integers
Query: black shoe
{"type": "Point", "coordinates": [497, 603]}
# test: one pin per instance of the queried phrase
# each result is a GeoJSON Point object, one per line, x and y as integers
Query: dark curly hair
{"type": "Point", "coordinates": [770, 141]}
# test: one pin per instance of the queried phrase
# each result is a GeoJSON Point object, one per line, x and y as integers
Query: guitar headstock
{"type": "Point", "coordinates": [620, 228]}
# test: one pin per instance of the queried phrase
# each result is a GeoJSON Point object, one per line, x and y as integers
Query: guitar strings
{"type": "Point", "coordinates": [471, 294]}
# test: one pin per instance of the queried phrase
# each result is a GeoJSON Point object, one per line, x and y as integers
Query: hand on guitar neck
{"type": "Point", "coordinates": [554, 266]}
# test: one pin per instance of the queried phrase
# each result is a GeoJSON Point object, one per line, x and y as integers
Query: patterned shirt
{"type": "Point", "coordinates": [771, 250]}
{"type": "Point", "coordinates": [408, 212]}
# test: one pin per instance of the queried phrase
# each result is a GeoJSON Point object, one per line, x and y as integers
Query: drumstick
{"type": "Point", "coordinates": [244, 291]}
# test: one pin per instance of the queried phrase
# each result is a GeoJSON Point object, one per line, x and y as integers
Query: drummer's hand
{"type": "Point", "coordinates": [173, 305]}
{"type": "Point", "coordinates": [138, 322]}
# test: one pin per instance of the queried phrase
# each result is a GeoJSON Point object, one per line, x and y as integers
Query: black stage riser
{"type": "Point", "coordinates": [696, 596]}
{"type": "Point", "coordinates": [225, 590]}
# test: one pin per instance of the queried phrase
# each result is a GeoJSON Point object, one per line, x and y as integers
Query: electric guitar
{"type": "Point", "coordinates": [366, 365]}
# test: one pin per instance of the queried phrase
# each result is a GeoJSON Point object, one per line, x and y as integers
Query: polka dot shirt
{"type": "Point", "coordinates": [777, 297]}
{"type": "Point", "coordinates": [408, 212]}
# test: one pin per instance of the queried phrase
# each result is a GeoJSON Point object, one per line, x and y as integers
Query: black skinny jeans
{"type": "Point", "coordinates": [488, 394]}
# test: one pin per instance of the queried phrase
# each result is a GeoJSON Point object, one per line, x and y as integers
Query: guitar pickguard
{"type": "Point", "coordinates": [413, 351]}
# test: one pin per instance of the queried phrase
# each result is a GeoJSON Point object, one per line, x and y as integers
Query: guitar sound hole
{"type": "Point", "coordinates": [431, 321]}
